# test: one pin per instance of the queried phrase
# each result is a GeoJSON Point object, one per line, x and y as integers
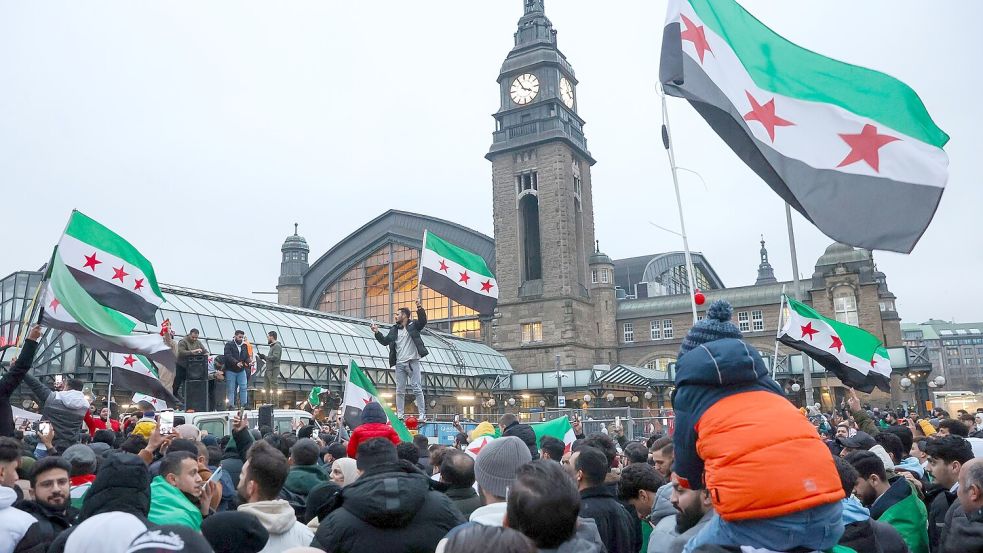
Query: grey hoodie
{"type": "Point", "coordinates": [278, 517]}
{"type": "Point", "coordinates": [66, 411]}
{"type": "Point", "coordinates": [663, 517]}
{"type": "Point", "coordinates": [586, 540]}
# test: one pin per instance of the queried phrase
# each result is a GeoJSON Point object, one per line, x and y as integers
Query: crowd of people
{"type": "Point", "coordinates": [744, 471]}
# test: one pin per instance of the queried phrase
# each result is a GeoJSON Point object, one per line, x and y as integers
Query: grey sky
{"type": "Point", "coordinates": [202, 131]}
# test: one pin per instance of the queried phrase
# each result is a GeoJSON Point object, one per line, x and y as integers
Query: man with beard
{"type": "Point", "coordinates": [694, 509]}
{"type": "Point", "coordinates": [51, 506]}
{"type": "Point", "coordinates": [263, 475]}
{"type": "Point", "coordinates": [236, 370]}
{"type": "Point", "coordinates": [892, 501]}
{"type": "Point", "coordinates": [178, 495]}
{"type": "Point", "coordinates": [861, 533]}
{"type": "Point", "coordinates": [103, 422]}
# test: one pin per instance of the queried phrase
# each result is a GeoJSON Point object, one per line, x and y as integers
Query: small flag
{"type": "Point", "coordinates": [138, 374]}
{"type": "Point", "coordinates": [854, 355]}
{"type": "Point", "coordinates": [475, 446]}
{"type": "Point", "coordinates": [159, 404]}
{"type": "Point", "coordinates": [314, 399]}
{"type": "Point", "coordinates": [359, 392]}
{"type": "Point", "coordinates": [848, 147]}
{"type": "Point", "coordinates": [459, 274]}
{"type": "Point", "coordinates": [558, 428]}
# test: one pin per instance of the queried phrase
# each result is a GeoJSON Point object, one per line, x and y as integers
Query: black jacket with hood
{"type": "Point", "coordinates": [390, 507]}
{"type": "Point", "coordinates": [413, 327]}
{"type": "Point", "coordinates": [525, 433]}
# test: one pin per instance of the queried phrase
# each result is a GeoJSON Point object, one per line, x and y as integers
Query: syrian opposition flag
{"type": "Point", "coordinates": [359, 392]}
{"type": "Point", "coordinates": [475, 446]}
{"type": "Point", "coordinates": [849, 148]}
{"type": "Point", "coordinates": [100, 313]}
{"type": "Point", "coordinates": [137, 374]}
{"type": "Point", "coordinates": [457, 273]}
{"type": "Point", "coordinates": [159, 404]}
{"type": "Point", "coordinates": [558, 428]}
{"type": "Point", "coordinates": [854, 355]}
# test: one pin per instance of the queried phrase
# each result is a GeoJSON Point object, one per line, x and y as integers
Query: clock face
{"type": "Point", "coordinates": [566, 92]}
{"type": "Point", "coordinates": [524, 89]}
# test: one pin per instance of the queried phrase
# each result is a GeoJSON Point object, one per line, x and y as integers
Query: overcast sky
{"type": "Point", "coordinates": [201, 131]}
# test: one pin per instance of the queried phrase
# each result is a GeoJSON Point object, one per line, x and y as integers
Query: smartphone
{"type": "Point", "coordinates": [166, 422]}
{"type": "Point", "coordinates": [44, 428]}
{"type": "Point", "coordinates": [457, 418]}
{"type": "Point", "coordinates": [214, 478]}
{"type": "Point", "coordinates": [617, 421]}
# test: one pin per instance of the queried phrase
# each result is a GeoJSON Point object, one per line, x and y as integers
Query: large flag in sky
{"type": "Point", "coordinates": [101, 304]}
{"type": "Point", "coordinates": [359, 392]}
{"type": "Point", "coordinates": [854, 355]}
{"type": "Point", "coordinates": [137, 374]}
{"type": "Point", "coordinates": [853, 150]}
{"type": "Point", "coordinates": [459, 274]}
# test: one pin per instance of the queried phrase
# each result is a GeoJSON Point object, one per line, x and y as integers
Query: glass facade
{"type": "Point", "coordinates": [386, 280]}
{"type": "Point", "coordinates": [317, 347]}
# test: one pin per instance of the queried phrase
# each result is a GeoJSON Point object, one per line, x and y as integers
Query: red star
{"type": "Point", "coordinates": [475, 450]}
{"type": "Point", "coordinates": [367, 400]}
{"type": "Point", "coordinates": [54, 304]}
{"type": "Point", "coordinates": [837, 344]}
{"type": "Point", "coordinates": [120, 273]}
{"type": "Point", "coordinates": [153, 401]}
{"type": "Point", "coordinates": [865, 145]}
{"type": "Point", "coordinates": [129, 360]}
{"type": "Point", "coordinates": [808, 330]}
{"type": "Point", "coordinates": [443, 266]}
{"type": "Point", "coordinates": [91, 261]}
{"type": "Point", "coordinates": [486, 286]}
{"type": "Point", "coordinates": [697, 36]}
{"type": "Point", "coordinates": [138, 284]}
{"type": "Point", "coordinates": [464, 277]}
{"type": "Point", "coordinates": [873, 362]}
{"type": "Point", "coordinates": [765, 114]}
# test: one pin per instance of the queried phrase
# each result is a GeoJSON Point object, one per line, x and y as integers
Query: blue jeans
{"type": "Point", "coordinates": [232, 380]}
{"type": "Point", "coordinates": [409, 370]}
{"type": "Point", "coordinates": [819, 528]}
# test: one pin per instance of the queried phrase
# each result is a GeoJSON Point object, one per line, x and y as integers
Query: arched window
{"type": "Point", "coordinates": [845, 305]}
{"type": "Point", "coordinates": [532, 264]}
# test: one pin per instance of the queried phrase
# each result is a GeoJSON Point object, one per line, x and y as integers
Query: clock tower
{"type": "Point", "coordinates": [543, 211]}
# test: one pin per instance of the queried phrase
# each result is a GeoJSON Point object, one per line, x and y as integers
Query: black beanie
{"type": "Point", "coordinates": [235, 532]}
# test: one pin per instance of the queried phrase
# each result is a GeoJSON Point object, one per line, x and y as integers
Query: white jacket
{"type": "Point", "coordinates": [14, 523]}
{"type": "Point", "coordinates": [278, 518]}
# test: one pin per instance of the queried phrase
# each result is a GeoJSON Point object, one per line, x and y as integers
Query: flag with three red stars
{"type": "Point", "coordinates": [461, 275]}
{"type": "Point", "coordinates": [854, 355]}
{"type": "Point", "coordinates": [136, 373]}
{"type": "Point", "coordinates": [102, 290]}
{"type": "Point", "coordinates": [359, 392]}
{"type": "Point", "coordinates": [853, 150]}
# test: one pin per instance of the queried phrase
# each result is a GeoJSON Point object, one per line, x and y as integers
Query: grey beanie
{"type": "Point", "coordinates": [716, 326]}
{"type": "Point", "coordinates": [497, 463]}
{"type": "Point", "coordinates": [82, 459]}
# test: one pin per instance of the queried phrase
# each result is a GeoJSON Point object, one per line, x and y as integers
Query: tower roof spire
{"type": "Point", "coordinates": [766, 274]}
{"type": "Point", "coordinates": [534, 26]}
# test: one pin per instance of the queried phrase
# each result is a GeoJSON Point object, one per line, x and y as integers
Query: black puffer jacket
{"type": "Point", "coordinates": [620, 531]}
{"type": "Point", "coordinates": [389, 508]}
{"type": "Point", "coordinates": [873, 537]}
{"type": "Point", "coordinates": [964, 532]}
{"type": "Point", "coordinates": [48, 526]}
{"type": "Point", "coordinates": [938, 501]}
{"type": "Point", "coordinates": [525, 433]}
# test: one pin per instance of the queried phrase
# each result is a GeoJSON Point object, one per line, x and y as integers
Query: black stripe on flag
{"type": "Point", "coordinates": [848, 375]}
{"type": "Point", "coordinates": [116, 297]}
{"type": "Point", "coordinates": [447, 286]}
{"type": "Point", "coordinates": [136, 382]}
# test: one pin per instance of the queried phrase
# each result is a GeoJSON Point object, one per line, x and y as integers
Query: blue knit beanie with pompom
{"type": "Point", "coordinates": [716, 326]}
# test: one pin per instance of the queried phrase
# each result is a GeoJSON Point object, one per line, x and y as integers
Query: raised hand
{"type": "Point", "coordinates": [35, 333]}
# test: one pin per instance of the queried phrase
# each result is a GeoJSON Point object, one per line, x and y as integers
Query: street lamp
{"type": "Point", "coordinates": [648, 394]}
{"type": "Point", "coordinates": [610, 397]}
{"type": "Point", "coordinates": [542, 403]}
{"type": "Point", "coordinates": [511, 401]}
{"type": "Point", "coordinates": [587, 398]}
{"type": "Point", "coordinates": [796, 387]}
{"type": "Point", "coordinates": [905, 383]}
{"type": "Point", "coordinates": [939, 381]}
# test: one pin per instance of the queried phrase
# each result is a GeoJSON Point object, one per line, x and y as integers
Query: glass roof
{"type": "Point", "coordinates": [310, 336]}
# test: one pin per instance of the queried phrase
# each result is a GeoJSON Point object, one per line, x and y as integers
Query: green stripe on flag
{"type": "Point", "coordinates": [86, 311]}
{"type": "Point", "coordinates": [778, 65]}
{"type": "Point", "coordinates": [150, 366]}
{"type": "Point", "coordinates": [856, 341]}
{"type": "Point", "coordinates": [90, 231]}
{"type": "Point", "coordinates": [465, 258]}
{"type": "Point", "coordinates": [358, 378]}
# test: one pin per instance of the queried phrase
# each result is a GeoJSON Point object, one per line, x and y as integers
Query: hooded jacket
{"type": "Point", "coordinates": [302, 478]}
{"type": "Point", "coordinates": [14, 523]}
{"type": "Point", "coordinates": [375, 424]}
{"type": "Point", "coordinates": [169, 505]}
{"type": "Point", "coordinates": [389, 508]}
{"type": "Point", "coordinates": [278, 518]}
{"type": "Point", "coordinates": [664, 518]}
{"type": "Point", "coordinates": [525, 433]}
{"type": "Point", "coordinates": [729, 439]}
{"type": "Point", "coordinates": [66, 411]}
{"type": "Point", "coordinates": [900, 507]}
{"type": "Point", "coordinates": [861, 533]}
{"type": "Point", "coordinates": [584, 540]}
{"type": "Point", "coordinates": [964, 532]}
{"type": "Point", "coordinates": [938, 501]}
{"type": "Point", "coordinates": [619, 529]}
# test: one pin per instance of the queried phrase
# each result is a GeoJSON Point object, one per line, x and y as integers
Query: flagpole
{"type": "Point", "coordinates": [781, 315]}
{"type": "Point", "coordinates": [667, 142]}
{"type": "Point", "coordinates": [806, 365]}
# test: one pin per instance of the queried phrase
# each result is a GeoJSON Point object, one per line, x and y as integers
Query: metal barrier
{"type": "Point", "coordinates": [639, 424]}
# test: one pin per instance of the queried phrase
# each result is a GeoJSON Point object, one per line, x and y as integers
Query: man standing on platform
{"type": "Point", "coordinates": [188, 346]}
{"type": "Point", "coordinates": [272, 375]}
{"type": "Point", "coordinates": [236, 370]}
{"type": "Point", "coordinates": [406, 346]}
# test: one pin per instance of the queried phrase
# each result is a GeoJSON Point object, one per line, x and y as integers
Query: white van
{"type": "Point", "coordinates": [219, 423]}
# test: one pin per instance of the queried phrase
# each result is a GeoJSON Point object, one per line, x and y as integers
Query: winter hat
{"type": "Point", "coordinates": [99, 448]}
{"type": "Point", "coordinates": [860, 440]}
{"type": "Point", "coordinates": [210, 441]}
{"type": "Point", "coordinates": [497, 463]}
{"type": "Point", "coordinates": [911, 465]}
{"type": "Point", "coordinates": [716, 326]}
{"type": "Point", "coordinates": [122, 484]}
{"type": "Point", "coordinates": [235, 532]}
{"type": "Point", "coordinates": [172, 537]}
{"type": "Point", "coordinates": [373, 413]}
{"type": "Point", "coordinates": [188, 432]}
{"type": "Point", "coordinates": [144, 428]}
{"type": "Point", "coordinates": [82, 459]}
